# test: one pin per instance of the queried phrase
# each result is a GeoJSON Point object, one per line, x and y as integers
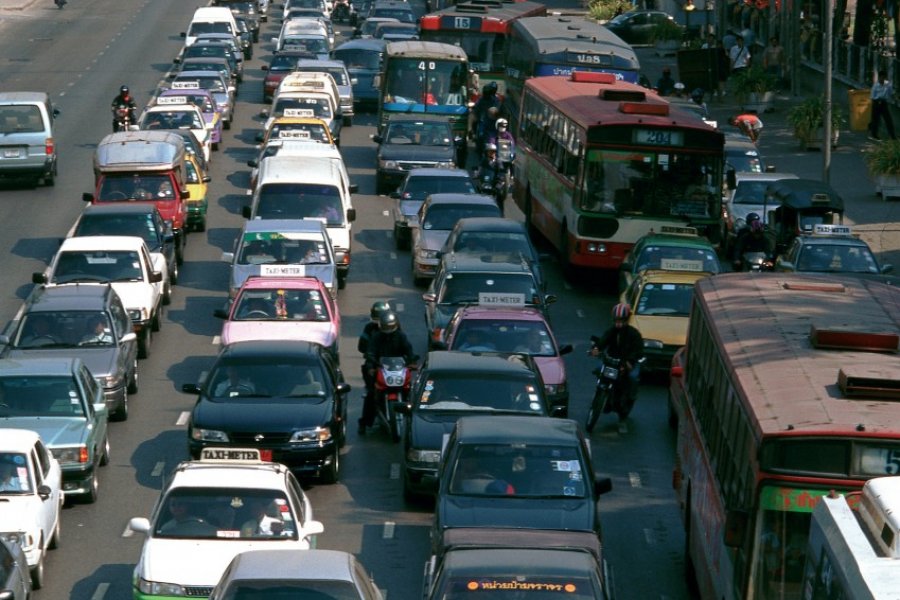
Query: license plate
{"type": "Point", "coordinates": [265, 455]}
{"type": "Point", "coordinates": [10, 153]}
{"type": "Point", "coordinates": [610, 372]}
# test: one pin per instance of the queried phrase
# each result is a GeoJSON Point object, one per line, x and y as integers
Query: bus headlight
{"type": "Point", "coordinates": [596, 248]}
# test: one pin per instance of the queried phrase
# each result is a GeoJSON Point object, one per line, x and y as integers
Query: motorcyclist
{"type": "Point", "coordinates": [624, 342]}
{"type": "Point", "coordinates": [362, 345]}
{"type": "Point", "coordinates": [755, 241]}
{"type": "Point", "coordinates": [743, 230]}
{"type": "Point", "coordinates": [504, 134]}
{"type": "Point", "coordinates": [490, 173]}
{"type": "Point", "coordinates": [479, 114]}
{"type": "Point", "coordinates": [387, 340]}
{"type": "Point", "coordinates": [123, 100]}
{"type": "Point", "coordinates": [697, 97]}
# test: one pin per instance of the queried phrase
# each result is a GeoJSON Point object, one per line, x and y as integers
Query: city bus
{"type": "Point", "coordinates": [557, 45]}
{"type": "Point", "coordinates": [853, 544]}
{"type": "Point", "coordinates": [481, 28]}
{"type": "Point", "coordinates": [601, 162]}
{"type": "Point", "coordinates": [425, 77]}
{"type": "Point", "coordinates": [787, 389]}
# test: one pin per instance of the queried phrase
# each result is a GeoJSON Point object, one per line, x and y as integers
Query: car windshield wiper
{"type": "Point", "coordinates": [80, 279]}
{"type": "Point", "coordinates": [319, 395]}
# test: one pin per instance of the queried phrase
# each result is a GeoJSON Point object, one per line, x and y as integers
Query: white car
{"type": "Point", "coordinates": [31, 497]}
{"type": "Point", "coordinates": [126, 264]}
{"type": "Point", "coordinates": [228, 502]}
{"type": "Point", "coordinates": [178, 116]}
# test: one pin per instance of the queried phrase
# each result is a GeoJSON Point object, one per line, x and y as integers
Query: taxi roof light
{"type": "Point", "coordinates": [230, 455]}
{"type": "Point", "coordinates": [832, 230]}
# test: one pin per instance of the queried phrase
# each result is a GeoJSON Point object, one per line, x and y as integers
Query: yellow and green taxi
{"type": "Point", "coordinates": [297, 128]}
{"type": "Point", "coordinates": [197, 203]}
{"type": "Point", "coordinates": [673, 248]}
{"type": "Point", "coordinates": [660, 304]}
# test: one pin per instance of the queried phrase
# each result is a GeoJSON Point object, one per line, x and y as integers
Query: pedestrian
{"type": "Point", "coordinates": [665, 85]}
{"type": "Point", "coordinates": [710, 42]}
{"type": "Point", "coordinates": [882, 92]}
{"type": "Point", "coordinates": [723, 66]}
{"type": "Point", "coordinates": [773, 59]}
{"type": "Point", "coordinates": [739, 55]}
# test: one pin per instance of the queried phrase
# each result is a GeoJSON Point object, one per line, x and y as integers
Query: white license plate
{"type": "Point", "coordinates": [11, 153]}
{"type": "Point", "coordinates": [610, 372]}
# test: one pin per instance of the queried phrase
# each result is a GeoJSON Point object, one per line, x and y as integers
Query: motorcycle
{"type": "Point", "coordinates": [121, 117]}
{"type": "Point", "coordinates": [756, 261]}
{"type": "Point", "coordinates": [610, 394]}
{"type": "Point", "coordinates": [341, 11]}
{"type": "Point", "coordinates": [493, 182]}
{"type": "Point", "coordinates": [60, 3]}
{"type": "Point", "coordinates": [393, 378]}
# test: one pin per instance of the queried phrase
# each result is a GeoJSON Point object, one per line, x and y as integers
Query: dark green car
{"type": "Point", "coordinates": [673, 249]}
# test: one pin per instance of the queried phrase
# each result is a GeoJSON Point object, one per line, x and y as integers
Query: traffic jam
{"type": "Point", "coordinates": [505, 189]}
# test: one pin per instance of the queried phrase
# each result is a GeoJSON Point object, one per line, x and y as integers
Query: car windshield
{"type": "Point", "coordinates": [213, 84]}
{"type": "Point", "coordinates": [360, 59]}
{"type": "Point", "coordinates": [418, 188]}
{"type": "Point", "coordinates": [285, 378]}
{"type": "Point", "coordinates": [677, 258]}
{"type": "Point", "coordinates": [444, 217]}
{"type": "Point", "coordinates": [97, 266]}
{"type": "Point", "coordinates": [821, 258]}
{"type": "Point", "coordinates": [485, 585]}
{"type": "Point", "coordinates": [281, 305]}
{"type": "Point", "coordinates": [503, 335]}
{"type": "Point", "coordinates": [204, 50]}
{"type": "Point", "coordinates": [137, 225]}
{"type": "Point", "coordinates": [316, 45]}
{"type": "Point", "coordinates": [283, 63]}
{"type": "Point", "coordinates": [494, 243]}
{"type": "Point", "coordinates": [665, 299]}
{"type": "Point", "coordinates": [64, 329]}
{"type": "Point", "coordinates": [519, 470]}
{"type": "Point", "coordinates": [743, 161]}
{"type": "Point", "coordinates": [40, 396]}
{"type": "Point", "coordinates": [404, 16]}
{"type": "Point", "coordinates": [287, 589]}
{"type": "Point", "coordinates": [15, 476]}
{"type": "Point", "coordinates": [340, 76]}
{"type": "Point", "coordinates": [172, 120]}
{"type": "Point", "coordinates": [486, 392]}
{"type": "Point", "coordinates": [311, 107]}
{"type": "Point", "coordinates": [199, 28]}
{"type": "Point", "coordinates": [752, 192]}
{"type": "Point", "coordinates": [508, 289]}
{"type": "Point", "coordinates": [299, 201]}
{"type": "Point", "coordinates": [225, 514]}
{"type": "Point", "coordinates": [114, 188]}
{"type": "Point", "coordinates": [273, 249]}
{"type": "Point", "coordinates": [418, 133]}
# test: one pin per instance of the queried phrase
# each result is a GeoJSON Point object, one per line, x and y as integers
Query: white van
{"type": "Point", "coordinates": [291, 147]}
{"type": "Point", "coordinates": [301, 187]}
{"type": "Point", "coordinates": [210, 19]}
{"type": "Point", "coordinates": [305, 103]}
{"type": "Point", "coordinates": [306, 81]}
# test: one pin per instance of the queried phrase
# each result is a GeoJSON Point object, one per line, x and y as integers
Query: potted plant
{"type": "Point", "coordinates": [667, 37]}
{"type": "Point", "coordinates": [807, 120]}
{"type": "Point", "coordinates": [883, 161]}
{"type": "Point", "coordinates": [754, 89]}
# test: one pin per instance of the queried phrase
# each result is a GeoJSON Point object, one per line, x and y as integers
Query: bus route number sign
{"type": "Point", "coordinates": [658, 137]}
{"type": "Point", "coordinates": [454, 22]}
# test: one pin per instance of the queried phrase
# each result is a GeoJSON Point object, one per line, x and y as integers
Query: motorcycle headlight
{"type": "Point", "coordinates": [387, 164]}
{"type": "Point", "coordinates": [314, 434]}
{"type": "Point", "coordinates": [426, 254]}
{"type": "Point", "coordinates": [159, 588]}
{"type": "Point", "coordinates": [654, 344]}
{"type": "Point", "coordinates": [431, 457]}
{"type": "Point", "coordinates": [394, 380]}
{"type": "Point", "coordinates": [208, 435]}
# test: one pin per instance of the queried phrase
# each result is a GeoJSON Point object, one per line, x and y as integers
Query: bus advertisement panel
{"type": "Point", "coordinates": [425, 77]}
{"type": "Point", "coordinates": [601, 162]}
{"type": "Point", "coordinates": [481, 29]}
{"type": "Point", "coordinates": [785, 391]}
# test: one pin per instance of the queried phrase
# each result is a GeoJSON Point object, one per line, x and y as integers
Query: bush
{"type": "Point", "coordinates": [807, 117]}
{"type": "Point", "coordinates": [884, 158]}
{"type": "Point", "coordinates": [604, 10]}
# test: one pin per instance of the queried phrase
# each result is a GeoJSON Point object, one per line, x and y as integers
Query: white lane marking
{"type": "Point", "coordinates": [395, 471]}
{"type": "Point", "coordinates": [393, 256]}
{"type": "Point", "coordinates": [217, 339]}
{"type": "Point", "coordinates": [128, 532]}
{"type": "Point", "coordinates": [579, 313]}
{"type": "Point", "coordinates": [398, 280]}
{"type": "Point", "coordinates": [648, 536]}
{"type": "Point", "coordinates": [183, 418]}
{"type": "Point", "coordinates": [100, 593]}
{"type": "Point", "coordinates": [386, 213]}
{"type": "Point", "coordinates": [634, 479]}
{"type": "Point", "coordinates": [388, 532]}
{"type": "Point", "coordinates": [400, 307]}
{"type": "Point", "coordinates": [158, 469]}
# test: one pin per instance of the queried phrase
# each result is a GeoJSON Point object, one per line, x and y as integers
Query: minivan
{"type": "Point", "coordinates": [363, 60]}
{"type": "Point", "coordinates": [27, 148]}
{"type": "Point", "coordinates": [210, 19]}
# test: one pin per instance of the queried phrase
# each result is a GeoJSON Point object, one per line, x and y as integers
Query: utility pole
{"type": "Point", "coordinates": [826, 125]}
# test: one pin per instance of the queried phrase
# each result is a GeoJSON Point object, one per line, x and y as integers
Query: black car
{"type": "Point", "coordinates": [250, 13]}
{"type": "Point", "coordinates": [417, 185]}
{"type": "Point", "coordinates": [451, 385]}
{"type": "Point", "coordinates": [638, 26]}
{"type": "Point", "coordinates": [562, 564]}
{"type": "Point", "coordinates": [212, 49]}
{"type": "Point", "coordinates": [280, 64]}
{"type": "Point", "coordinates": [521, 472]}
{"type": "Point", "coordinates": [286, 398]}
{"type": "Point", "coordinates": [412, 141]}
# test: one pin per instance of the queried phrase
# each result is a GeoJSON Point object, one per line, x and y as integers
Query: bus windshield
{"type": "Point", "coordinates": [651, 184]}
{"type": "Point", "coordinates": [781, 554]}
{"type": "Point", "coordinates": [424, 81]}
{"type": "Point", "coordinates": [479, 47]}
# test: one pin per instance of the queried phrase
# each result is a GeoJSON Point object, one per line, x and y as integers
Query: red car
{"type": "Point", "coordinates": [523, 330]}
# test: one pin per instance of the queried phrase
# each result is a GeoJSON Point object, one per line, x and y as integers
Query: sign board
{"type": "Point", "coordinates": [172, 100]}
{"type": "Point", "coordinates": [658, 137]}
{"type": "Point", "coordinates": [678, 230]}
{"type": "Point", "coordinates": [677, 264]}
{"type": "Point", "coordinates": [230, 454]}
{"type": "Point", "coordinates": [282, 270]}
{"type": "Point", "coordinates": [185, 85]}
{"type": "Point", "coordinates": [294, 134]}
{"type": "Point", "coordinates": [501, 299]}
{"type": "Point", "coordinates": [825, 229]}
{"type": "Point", "coordinates": [304, 113]}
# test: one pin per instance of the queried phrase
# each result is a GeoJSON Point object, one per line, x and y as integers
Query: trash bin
{"type": "Point", "coordinates": [860, 109]}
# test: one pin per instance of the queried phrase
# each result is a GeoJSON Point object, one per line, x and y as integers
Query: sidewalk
{"type": "Point", "coordinates": [16, 5]}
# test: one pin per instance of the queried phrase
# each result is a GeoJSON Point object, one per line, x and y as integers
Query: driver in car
{"type": "Point", "coordinates": [234, 384]}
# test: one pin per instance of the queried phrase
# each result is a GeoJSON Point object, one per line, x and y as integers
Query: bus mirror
{"type": "Point", "coordinates": [730, 179]}
{"type": "Point", "coordinates": [736, 528]}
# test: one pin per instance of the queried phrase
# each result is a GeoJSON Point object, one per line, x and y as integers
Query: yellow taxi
{"type": "Point", "coordinates": [660, 303]}
{"type": "Point", "coordinates": [197, 203]}
{"type": "Point", "coordinates": [297, 128]}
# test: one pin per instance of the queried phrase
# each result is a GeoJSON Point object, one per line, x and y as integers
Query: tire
{"type": "Point", "coordinates": [104, 459]}
{"type": "Point", "coordinates": [396, 425]}
{"type": "Point", "coordinates": [133, 383]}
{"type": "Point", "coordinates": [167, 293]}
{"type": "Point", "coordinates": [331, 473]}
{"type": "Point", "coordinates": [94, 492]}
{"type": "Point", "coordinates": [672, 418]}
{"type": "Point", "coordinates": [201, 226]}
{"type": "Point", "coordinates": [601, 397]}
{"type": "Point", "coordinates": [54, 539]}
{"type": "Point", "coordinates": [227, 124]}
{"type": "Point", "coordinates": [121, 413]}
{"type": "Point", "coordinates": [379, 184]}
{"type": "Point", "coordinates": [37, 575]}
{"type": "Point", "coordinates": [156, 322]}
{"type": "Point", "coordinates": [348, 121]}
{"type": "Point", "coordinates": [144, 343]}
{"type": "Point", "coordinates": [342, 281]}
{"type": "Point", "coordinates": [179, 252]}
{"type": "Point", "coordinates": [173, 274]}
{"type": "Point", "coordinates": [529, 211]}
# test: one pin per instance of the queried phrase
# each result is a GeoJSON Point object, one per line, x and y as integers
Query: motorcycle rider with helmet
{"type": "Point", "coordinates": [754, 241]}
{"type": "Point", "coordinates": [362, 345]}
{"type": "Point", "coordinates": [697, 97]}
{"type": "Point", "coordinates": [490, 174]}
{"type": "Point", "coordinates": [479, 114]}
{"type": "Point", "coordinates": [387, 340]}
{"type": "Point", "coordinates": [624, 342]}
{"type": "Point", "coordinates": [123, 100]}
{"type": "Point", "coordinates": [502, 133]}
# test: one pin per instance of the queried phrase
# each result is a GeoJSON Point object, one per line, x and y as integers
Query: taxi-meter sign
{"type": "Point", "coordinates": [172, 100]}
{"type": "Point", "coordinates": [501, 299]}
{"type": "Point", "coordinates": [185, 85]}
{"type": "Point", "coordinates": [239, 454]}
{"type": "Point", "coordinates": [836, 230]}
{"type": "Point", "coordinates": [294, 134]}
{"type": "Point", "coordinates": [299, 112]}
{"type": "Point", "coordinates": [678, 264]}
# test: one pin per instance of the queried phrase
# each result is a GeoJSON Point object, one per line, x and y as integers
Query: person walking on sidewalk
{"type": "Point", "coordinates": [882, 92]}
{"type": "Point", "coordinates": [739, 55]}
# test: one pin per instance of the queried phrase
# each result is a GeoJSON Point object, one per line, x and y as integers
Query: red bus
{"type": "Point", "coordinates": [788, 388]}
{"type": "Point", "coordinates": [601, 162]}
{"type": "Point", "coordinates": [481, 28]}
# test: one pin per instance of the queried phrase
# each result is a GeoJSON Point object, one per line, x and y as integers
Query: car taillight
{"type": "Point", "coordinates": [437, 333]}
{"type": "Point", "coordinates": [49, 146]}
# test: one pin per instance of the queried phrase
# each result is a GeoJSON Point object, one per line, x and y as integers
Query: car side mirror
{"type": "Point", "coordinates": [429, 297]}
{"type": "Point", "coordinates": [887, 269]}
{"type": "Point", "coordinates": [185, 194]}
{"type": "Point", "coordinates": [344, 388]}
{"type": "Point", "coordinates": [395, 195]}
{"type": "Point", "coordinates": [784, 265]}
{"type": "Point", "coordinates": [354, 188]}
{"type": "Point", "coordinates": [253, 163]}
{"type": "Point", "coordinates": [731, 179]}
{"type": "Point", "coordinates": [246, 212]}
{"type": "Point", "coordinates": [128, 337]}
{"type": "Point", "coordinates": [56, 112]}
{"type": "Point", "coordinates": [44, 492]}
{"type": "Point", "coordinates": [139, 524]}
{"type": "Point", "coordinates": [312, 528]}
{"type": "Point", "coordinates": [39, 278]}
{"type": "Point", "coordinates": [771, 169]}
{"type": "Point", "coordinates": [87, 197]}
{"type": "Point", "coordinates": [190, 388]}
{"type": "Point", "coordinates": [565, 349]}
{"type": "Point", "coordinates": [207, 179]}
{"type": "Point", "coordinates": [439, 345]}
{"type": "Point", "coordinates": [220, 313]}
{"type": "Point", "coordinates": [155, 276]}
{"type": "Point", "coordinates": [260, 136]}
{"type": "Point", "coordinates": [183, 34]}
{"type": "Point", "coordinates": [558, 412]}
{"type": "Point", "coordinates": [100, 408]}
{"type": "Point", "coordinates": [550, 299]}
{"type": "Point", "coordinates": [227, 257]}
{"type": "Point", "coordinates": [602, 485]}
{"type": "Point", "coordinates": [354, 81]}
{"type": "Point", "coordinates": [177, 60]}
{"type": "Point", "coordinates": [351, 214]}
{"type": "Point", "coordinates": [377, 139]}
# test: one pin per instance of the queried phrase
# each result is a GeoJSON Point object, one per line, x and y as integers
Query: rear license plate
{"type": "Point", "coordinates": [10, 153]}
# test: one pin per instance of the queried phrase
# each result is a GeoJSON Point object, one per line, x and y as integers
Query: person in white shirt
{"type": "Point", "coordinates": [98, 332]}
{"type": "Point", "coordinates": [9, 478]}
{"type": "Point", "coordinates": [882, 92]}
{"type": "Point", "coordinates": [739, 55]}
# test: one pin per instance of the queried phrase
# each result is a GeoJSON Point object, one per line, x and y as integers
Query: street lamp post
{"type": "Point", "coordinates": [688, 9]}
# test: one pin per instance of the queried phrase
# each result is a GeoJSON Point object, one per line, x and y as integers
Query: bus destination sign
{"type": "Point", "coordinates": [589, 59]}
{"type": "Point", "coordinates": [658, 137]}
{"type": "Point", "coordinates": [457, 22]}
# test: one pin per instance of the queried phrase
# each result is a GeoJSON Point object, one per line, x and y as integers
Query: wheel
{"type": "Point", "coordinates": [167, 293]}
{"type": "Point", "coordinates": [54, 539]}
{"type": "Point", "coordinates": [201, 226]}
{"type": "Point", "coordinates": [348, 121]}
{"type": "Point", "coordinates": [331, 472]}
{"type": "Point", "coordinates": [601, 397]}
{"type": "Point", "coordinates": [94, 492]}
{"type": "Point", "coordinates": [215, 147]}
{"type": "Point", "coordinates": [179, 250]}
{"type": "Point", "coordinates": [173, 273]}
{"type": "Point", "coordinates": [133, 382]}
{"type": "Point", "coordinates": [121, 413]}
{"type": "Point", "coordinates": [144, 343]}
{"type": "Point", "coordinates": [342, 432]}
{"type": "Point", "coordinates": [396, 424]}
{"type": "Point", "coordinates": [156, 322]}
{"type": "Point", "coordinates": [672, 415]}
{"type": "Point", "coordinates": [104, 459]}
{"type": "Point", "coordinates": [227, 124]}
{"type": "Point", "coordinates": [37, 572]}
{"type": "Point", "coordinates": [529, 212]}
{"type": "Point", "coordinates": [379, 184]}
{"type": "Point", "coordinates": [342, 281]}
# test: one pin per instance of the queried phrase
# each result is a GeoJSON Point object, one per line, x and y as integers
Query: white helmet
{"type": "Point", "coordinates": [502, 124]}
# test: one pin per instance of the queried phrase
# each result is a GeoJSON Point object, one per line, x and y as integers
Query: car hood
{"type": "Point", "coordinates": [55, 431]}
{"type": "Point", "coordinates": [19, 513]}
{"type": "Point", "coordinates": [414, 152]}
{"type": "Point", "coordinates": [531, 513]}
{"type": "Point", "coordinates": [134, 294]}
{"type": "Point", "coordinates": [427, 429]}
{"type": "Point", "coordinates": [670, 330]}
{"type": "Point", "coordinates": [552, 368]}
{"type": "Point", "coordinates": [433, 239]}
{"type": "Point", "coordinates": [324, 273]}
{"type": "Point", "coordinates": [100, 360]}
{"type": "Point", "coordinates": [322, 333]}
{"type": "Point", "coordinates": [267, 415]}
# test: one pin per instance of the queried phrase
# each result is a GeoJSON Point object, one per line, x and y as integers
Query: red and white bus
{"type": "Point", "coordinates": [601, 162]}
{"type": "Point", "coordinates": [788, 388]}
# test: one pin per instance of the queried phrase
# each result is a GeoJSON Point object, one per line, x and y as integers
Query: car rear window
{"type": "Point", "coordinates": [23, 118]}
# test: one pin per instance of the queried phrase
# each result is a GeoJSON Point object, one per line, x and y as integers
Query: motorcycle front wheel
{"type": "Point", "coordinates": [396, 422]}
{"type": "Point", "coordinates": [601, 397]}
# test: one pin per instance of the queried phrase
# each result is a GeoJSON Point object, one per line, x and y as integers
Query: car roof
{"type": "Point", "coordinates": [492, 224]}
{"type": "Point", "coordinates": [284, 225]}
{"type": "Point", "coordinates": [670, 239]}
{"type": "Point", "coordinates": [23, 97]}
{"type": "Point", "coordinates": [437, 172]}
{"type": "Point", "coordinates": [228, 475]}
{"type": "Point", "coordinates": [479, 362]}
{"type": "Point", "coordinates": [537, 562]}
{"type": "Point", "coordinates": [38, 366]}
{"type": "Point", "coordinates": [663, 276]}
{"type": "Point", "coordinates": [69, 297]}
{"type": "Point", "coordinates": [476, 263]}
{"type": "Point", "coordinates": [189, 74]}
{"type": "Point", "coordinates": [363, 44]}
{"type": "Point", "coordinates": [395, 117]}
{"type": "Point", "coordinates": [485, 313]}
{"type": "Point", "coordinates": [541, 431]}
{"type": "Point", "coordinates": [102, 242]}
{"type": "Point", "coordinates": [469, 538]}
{"type": "Point", "coordinates": [298, 283]}
{"type": "Point", "coordinates": [314, 62]}
{"type": "Point", "coordinates": [270, 348]}
{"type": "Point", "coordinates": [466, 199]}
{"type": "Point", "coordinates": [748, 176]}
{"type": "Point", "coordinates": [293, 565]}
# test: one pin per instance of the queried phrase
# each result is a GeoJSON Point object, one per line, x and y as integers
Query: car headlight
{"type": "Point", "coordinates": [654, 344]}
{"type": "Point", "coordinates": [430, 457]}
{"type": "Point", "coordinates": [314, 434]}
{"type": "Point", "coordinates": [71, 456]}
{"type": "Point", "coordinates": [424, 254]}
{"type": "Point", "coordinates": [387, 164]}
{"type": "Point", "coordinates": [447, 164]}
{"type": "Point", "coordinates": [138, 314]}
{"type": "Point", "coordinates": [208, 435]}
{"type": "Point", "coordinates": [23, 539]}
{"type": "Point", "coordinates": [158, 588]}
{"type": "Point", "coordinates": [112, 381]}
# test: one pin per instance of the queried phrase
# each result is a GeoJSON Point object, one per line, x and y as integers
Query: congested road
{"type": "Point", "coordinates": [81, 55]}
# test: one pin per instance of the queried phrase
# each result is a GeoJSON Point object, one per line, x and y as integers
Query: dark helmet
{"type": "Point", "coordinates": [621, 312]}
{"type": "Point", "coordinates": [697, 95]}
{"type": "Point", "coordinates": [388, 322]}
{"type": "Point", "coordinates": [751, 217]}
{"type": "Point", "coordinates": [123, 90]}
{"type": "Point", "coordinates": [490, 88]}
{"type": "Point", "coordinates": [378, 309]}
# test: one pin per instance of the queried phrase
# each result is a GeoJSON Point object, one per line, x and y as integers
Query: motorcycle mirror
{"type": "Point", "coordinates": [354, 188]}
{"type": "Point", "coordinates": [343, 388]}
